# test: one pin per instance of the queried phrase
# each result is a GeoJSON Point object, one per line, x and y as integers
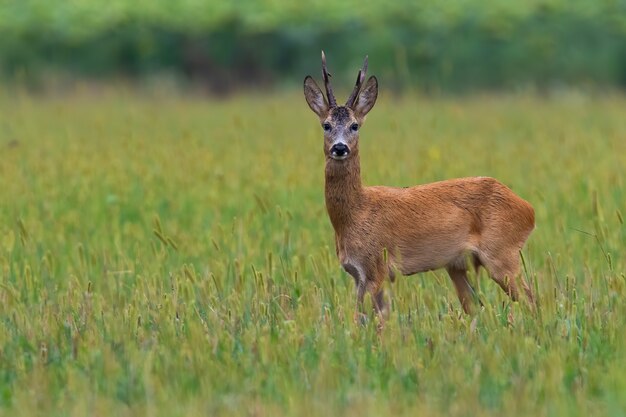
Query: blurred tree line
{"type": "Point", "coordinates": [432, 45]}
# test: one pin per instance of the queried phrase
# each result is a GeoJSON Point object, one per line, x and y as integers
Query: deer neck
{"type": "Point", "coordinates": [343, 190]}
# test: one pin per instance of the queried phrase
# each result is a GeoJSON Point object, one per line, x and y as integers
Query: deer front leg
{"type": "Point", "coordinates": [359, 282]}
{"type": "Point", "coordinates": [380, 305]}
{"type": "Point", "coordinates": [375, 288]}
{"type": "Point", "coordinates": [463, 288]}
{"type": "Point", "coordinates": [378, 298]}
{"type": "Point", "coordinates": [370, 280]}
{"type": "Point", "coordinates": [360, 295]}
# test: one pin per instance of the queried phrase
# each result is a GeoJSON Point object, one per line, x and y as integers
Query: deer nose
{"type": "Point", "coordinates": [339, 151]}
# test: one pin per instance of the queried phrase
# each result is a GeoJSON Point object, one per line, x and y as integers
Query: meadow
{"type": "Point", "coordinates": [171, 255]}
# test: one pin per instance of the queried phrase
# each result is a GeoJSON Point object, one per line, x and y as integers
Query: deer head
{"type": "Point", "coordinates": [341, 124]}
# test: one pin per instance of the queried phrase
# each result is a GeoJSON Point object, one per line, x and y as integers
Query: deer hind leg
{"type": "Point", "coordinates": [463, 288]}
{"type": "Point", "coordinates": [505, 270]}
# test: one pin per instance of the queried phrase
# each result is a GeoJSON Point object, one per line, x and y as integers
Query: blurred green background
{"type": "Point", "coordinates": [431, 46]}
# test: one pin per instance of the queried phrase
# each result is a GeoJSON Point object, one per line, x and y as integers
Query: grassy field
{"type": "Point", "coordinates": [172, 256]}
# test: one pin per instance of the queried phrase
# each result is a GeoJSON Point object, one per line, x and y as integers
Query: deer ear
{"type": "Point", "coordinates": [314, 97]}
{"type": "Point", "coordinates": [367, 98]}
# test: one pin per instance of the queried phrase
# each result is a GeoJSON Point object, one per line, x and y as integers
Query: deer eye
{"type": "Point", "coordinates": [326, 127]}
{"type": "Point", "coordinates": [354, 127]}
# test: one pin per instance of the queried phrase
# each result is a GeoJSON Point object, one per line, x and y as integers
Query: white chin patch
{"type": "Point", "coordinates": [338, 157]}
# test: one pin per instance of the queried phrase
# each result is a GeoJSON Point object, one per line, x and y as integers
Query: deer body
{"type": "Point", "coordinates": [379, 229]}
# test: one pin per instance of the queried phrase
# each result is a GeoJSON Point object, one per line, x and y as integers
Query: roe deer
{"type": "Point", "coordinates": [439, 225]}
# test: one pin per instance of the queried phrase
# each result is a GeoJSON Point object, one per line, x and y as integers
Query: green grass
{"type": "Point", "coordinates": [172, 256]}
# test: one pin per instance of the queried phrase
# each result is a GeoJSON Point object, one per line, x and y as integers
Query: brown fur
{"type": "Point", "coordinates": [421, 228]}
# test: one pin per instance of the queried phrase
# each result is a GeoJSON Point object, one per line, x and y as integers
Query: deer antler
{"type": "Point", "coordinates": [359, 82]}
{"type": "Point", "coordinates": [329, 90]}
